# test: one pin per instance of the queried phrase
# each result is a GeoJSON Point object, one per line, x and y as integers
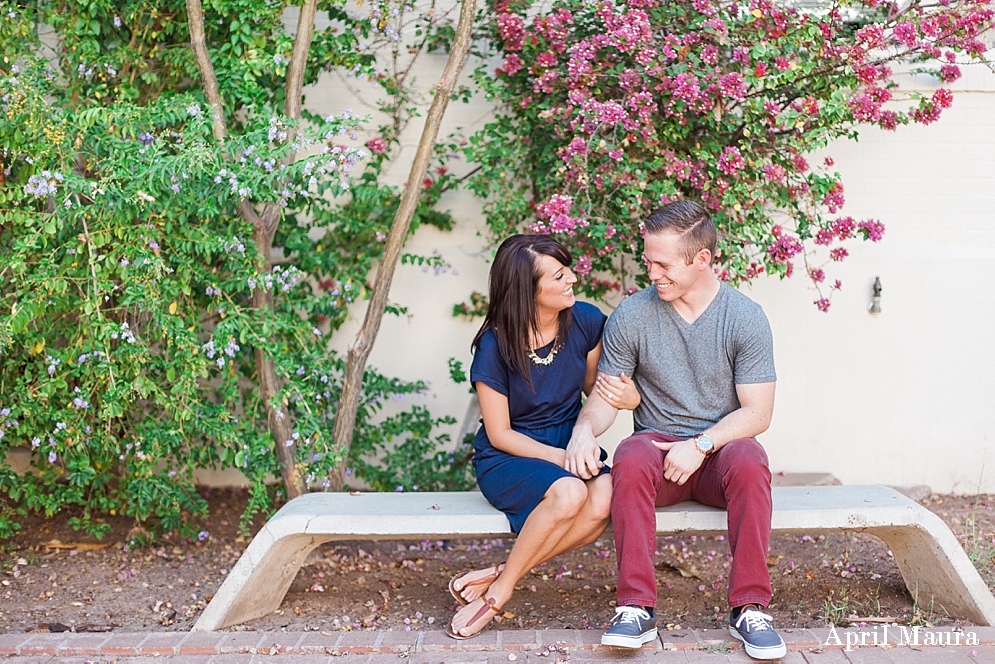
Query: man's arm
{"type": "Point", "coordinates": [583, 454]}
{"type": "Point", "coordinates": [752, 418]}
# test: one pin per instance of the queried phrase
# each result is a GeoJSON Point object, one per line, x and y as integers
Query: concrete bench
{"type": "Point", "coordinates": [929, 557]}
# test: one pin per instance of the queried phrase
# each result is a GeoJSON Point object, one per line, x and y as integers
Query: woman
{"type": "Point", "coordinates": [535, 352]}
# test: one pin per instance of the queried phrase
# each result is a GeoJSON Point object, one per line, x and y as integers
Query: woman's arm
{"type": "Point", "coordinates": [592, 369]}
{"type": "Point", "coordinates": [497, 422]}
{"type": "Point", "coordinates": [619, 392]}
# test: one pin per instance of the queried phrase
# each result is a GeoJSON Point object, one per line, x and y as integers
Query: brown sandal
{"type": "Point", "coordinates": [489, 579]}
{"type": "Point", "coordinates": [488, 605]}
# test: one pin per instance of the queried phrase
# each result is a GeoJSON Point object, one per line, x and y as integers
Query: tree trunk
{"type": "Point", "coordinates": [359, 349]}
{"type": "Point", "coordinates": [280, 425]}
{"type": "Point", "coordinates": [264, 224]}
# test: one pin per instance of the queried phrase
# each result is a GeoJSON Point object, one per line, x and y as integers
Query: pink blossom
{"type": "Point", "coordinates": [547, 59]}
{"type": "Point", "coordinates": [781, 64]}
{"type": "Point", "coordinates": [839, 253]}
{"type": "Point", "coordinates": [834, 198]}
{"type": "Point", "coordinates": [611, 112]}
{"type": "Point", "coordinates": [872, 229]}
{"type": "Point", "coordinates": [843, 228]}
{"type": "Point", "coordinates": [949, 73]}
{"type": "Point", "coordinates": [822, 304]}
{"type": "Point", "coordinates": [511, 29]}
{"type": "Point", "coordinates": [783, 248]}
{"type": "Point", "coordinates": [943, 98]}
{"type": "Point", "coordinates": [557, 204]}
{"type": "Point", "coordinates": [837, 284]}
{"type": "Point", "coordinates": [868, 75]}
{"type": "Point", "coordinates": [512, 64]}
{"type": "Point", "coordinates": [730, 161]}
{"type": "Point", "coordinates": [871, 35]}
{"type": "Point", "coordinates": [761, 69]}
{"type": "Point", "coordinates": [583, 266]}
{"type": "Point", "coordinates": [905, 32]}
{"type": "Point", "coordinates": [824, 237]}
{"type": "Point", "coordinates": [864, 108]}
{"type": "Point", "coordinates": [545, 83]}
{"type": "Point", "coordinates": [577, 147]}
{"type": "Point", "coordinates": [645, 56]}
{"type": "Point", "coordinates": [581, 55]}
{"type": "Point", "coordinates": [685, 87]}
{"type": "Point", "coordinates": [888, 120]}
{"type": "Point", "coordinates": [800, 164]}
{"type": "Point", "coordinates": [732, 85]}
{"type": "Point", "coordinates": [627, 30]}
{"type": "Point", "coordinates": [377, 145]}
{"type": "Point", "coordinates": [828, 161]}
{"type": "Point", "coordinates": [816, 275]}
{"type": "Point", "coordinates": [774, 173]}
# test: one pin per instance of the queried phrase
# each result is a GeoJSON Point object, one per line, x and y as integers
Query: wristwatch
{"type": "Point", "coordinates": [703, 444]}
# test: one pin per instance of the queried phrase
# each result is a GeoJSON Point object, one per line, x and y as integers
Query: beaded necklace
{"type": "Point", "coordinates": [545, 361]}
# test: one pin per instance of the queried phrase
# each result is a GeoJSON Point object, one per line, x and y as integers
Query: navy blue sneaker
{"type": "Point", "coordinates": [631, 627]}
{"type": "Point", "coordinates": [759, 639]}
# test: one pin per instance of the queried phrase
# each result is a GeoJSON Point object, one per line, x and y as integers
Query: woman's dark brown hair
{"type": "Point", "coordinates": [512, 312]}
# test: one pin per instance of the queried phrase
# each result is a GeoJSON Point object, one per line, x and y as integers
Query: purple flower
{"type": "Point", "coordinates": [117, 21]}
{"type": "Point", "coordinates": [203, 535]}
{"type": "Point", "coordinates": [52, 456]}
{"type": "Point", "coordinates": [146, 138]}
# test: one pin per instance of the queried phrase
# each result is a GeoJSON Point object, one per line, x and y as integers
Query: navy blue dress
{"type": "Point", "coordinates": [514, 484]}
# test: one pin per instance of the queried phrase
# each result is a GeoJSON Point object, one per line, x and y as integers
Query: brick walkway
{"type": "Point", "coordinates": [532, 647]}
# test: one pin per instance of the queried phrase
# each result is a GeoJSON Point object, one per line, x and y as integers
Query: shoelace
{"type": "Point", "coordinates": [629, 614]}
{"type": "Point", "coordinates": [755, 621]}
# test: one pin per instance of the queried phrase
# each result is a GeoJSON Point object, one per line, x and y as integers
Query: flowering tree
{"type": "Point", "coordinates": [178, 237]}
{"type": "Point", "coordinates": [609, 110]}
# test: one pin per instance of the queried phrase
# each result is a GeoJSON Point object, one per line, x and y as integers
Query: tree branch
{"type": "Point", "coordinates": [298, 63]}
{"type": "Point", "coordinates": [362, 344]}
{"type": "Point", "coordinates": [198, 42]}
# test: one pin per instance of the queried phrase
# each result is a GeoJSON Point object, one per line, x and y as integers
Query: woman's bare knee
{"type": "Point", "coordinates": [599, 498]}
{"type": "Point", "coordinates": [566, 497]}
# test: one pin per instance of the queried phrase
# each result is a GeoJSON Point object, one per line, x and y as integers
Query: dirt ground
{"type": "Point", "coordinates": [55, 579]}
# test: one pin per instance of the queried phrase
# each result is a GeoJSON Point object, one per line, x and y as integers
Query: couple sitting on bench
{"type": "Point", "coordinates": [690, 355]}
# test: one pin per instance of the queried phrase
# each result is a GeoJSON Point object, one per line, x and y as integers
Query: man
{"type": "Point", "coordinates": [701, 355]}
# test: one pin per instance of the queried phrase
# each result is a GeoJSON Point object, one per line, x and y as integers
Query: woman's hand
{"type": "Point", "coordinates": [619, 392]}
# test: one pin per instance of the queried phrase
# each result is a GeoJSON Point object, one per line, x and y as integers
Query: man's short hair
{"type": "Point", "coordinates": [688, 220]}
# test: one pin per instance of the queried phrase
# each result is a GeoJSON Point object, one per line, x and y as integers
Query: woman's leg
{"type": "Point", "coordinates": [592, 519]}
{"type": "Point", "coordinates": [571, 514]}
{"type": "Point", "coordinates": [590, 522]}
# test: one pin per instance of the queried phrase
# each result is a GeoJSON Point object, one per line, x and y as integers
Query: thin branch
{"type": "Point", "coordinates": [298, 62]}
{"type": "Point", "coordinates": [362, 344]}
{"type": "Point", "coordinates": [198, 42]}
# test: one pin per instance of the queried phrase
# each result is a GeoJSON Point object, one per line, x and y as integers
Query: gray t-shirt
{"type": "Point", "coordinates": [686, 373]}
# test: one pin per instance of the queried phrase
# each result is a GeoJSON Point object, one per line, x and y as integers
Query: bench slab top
{"type": "Point", "coordinates": [467, 513]}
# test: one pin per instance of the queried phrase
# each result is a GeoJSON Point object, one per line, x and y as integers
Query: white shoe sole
{"type": "Point", "coordinates": [773, 652]}
{"type": "Point", "coordinates": [619, 641]}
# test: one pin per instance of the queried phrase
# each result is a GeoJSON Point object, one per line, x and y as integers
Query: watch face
{"type": "Point", "coordinates": [705, 443]}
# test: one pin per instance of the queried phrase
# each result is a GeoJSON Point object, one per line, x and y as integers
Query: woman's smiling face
{"type": "Point", "coordinates": [555, 290]}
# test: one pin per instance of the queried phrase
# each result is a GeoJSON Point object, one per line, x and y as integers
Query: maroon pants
{"type": "Point", "coordinates": [735, 477]}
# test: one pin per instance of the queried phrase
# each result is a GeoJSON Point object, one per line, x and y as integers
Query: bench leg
{"type": "Point", "coordinates": [937, 571]}
{"type": "Point", "coordinates": [259, 580]}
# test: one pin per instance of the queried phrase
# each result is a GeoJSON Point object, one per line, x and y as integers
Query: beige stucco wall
{"type": "Point", "coordinates": [900, 398]}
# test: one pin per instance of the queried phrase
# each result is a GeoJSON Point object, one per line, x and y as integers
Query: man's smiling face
{"type": "Point", "coordinates": [668, 267]}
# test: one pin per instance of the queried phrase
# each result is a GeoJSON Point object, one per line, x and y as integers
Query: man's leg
{"type": "Point", "coordinates": [638, 487]}
{"type": "Point", "coordinates": [737, 478]}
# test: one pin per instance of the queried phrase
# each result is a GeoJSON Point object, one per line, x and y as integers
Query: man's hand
{"type": "Point", "coordinates": [583, 457]}
{"type": "Point", "coordinates": [682, 460]}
